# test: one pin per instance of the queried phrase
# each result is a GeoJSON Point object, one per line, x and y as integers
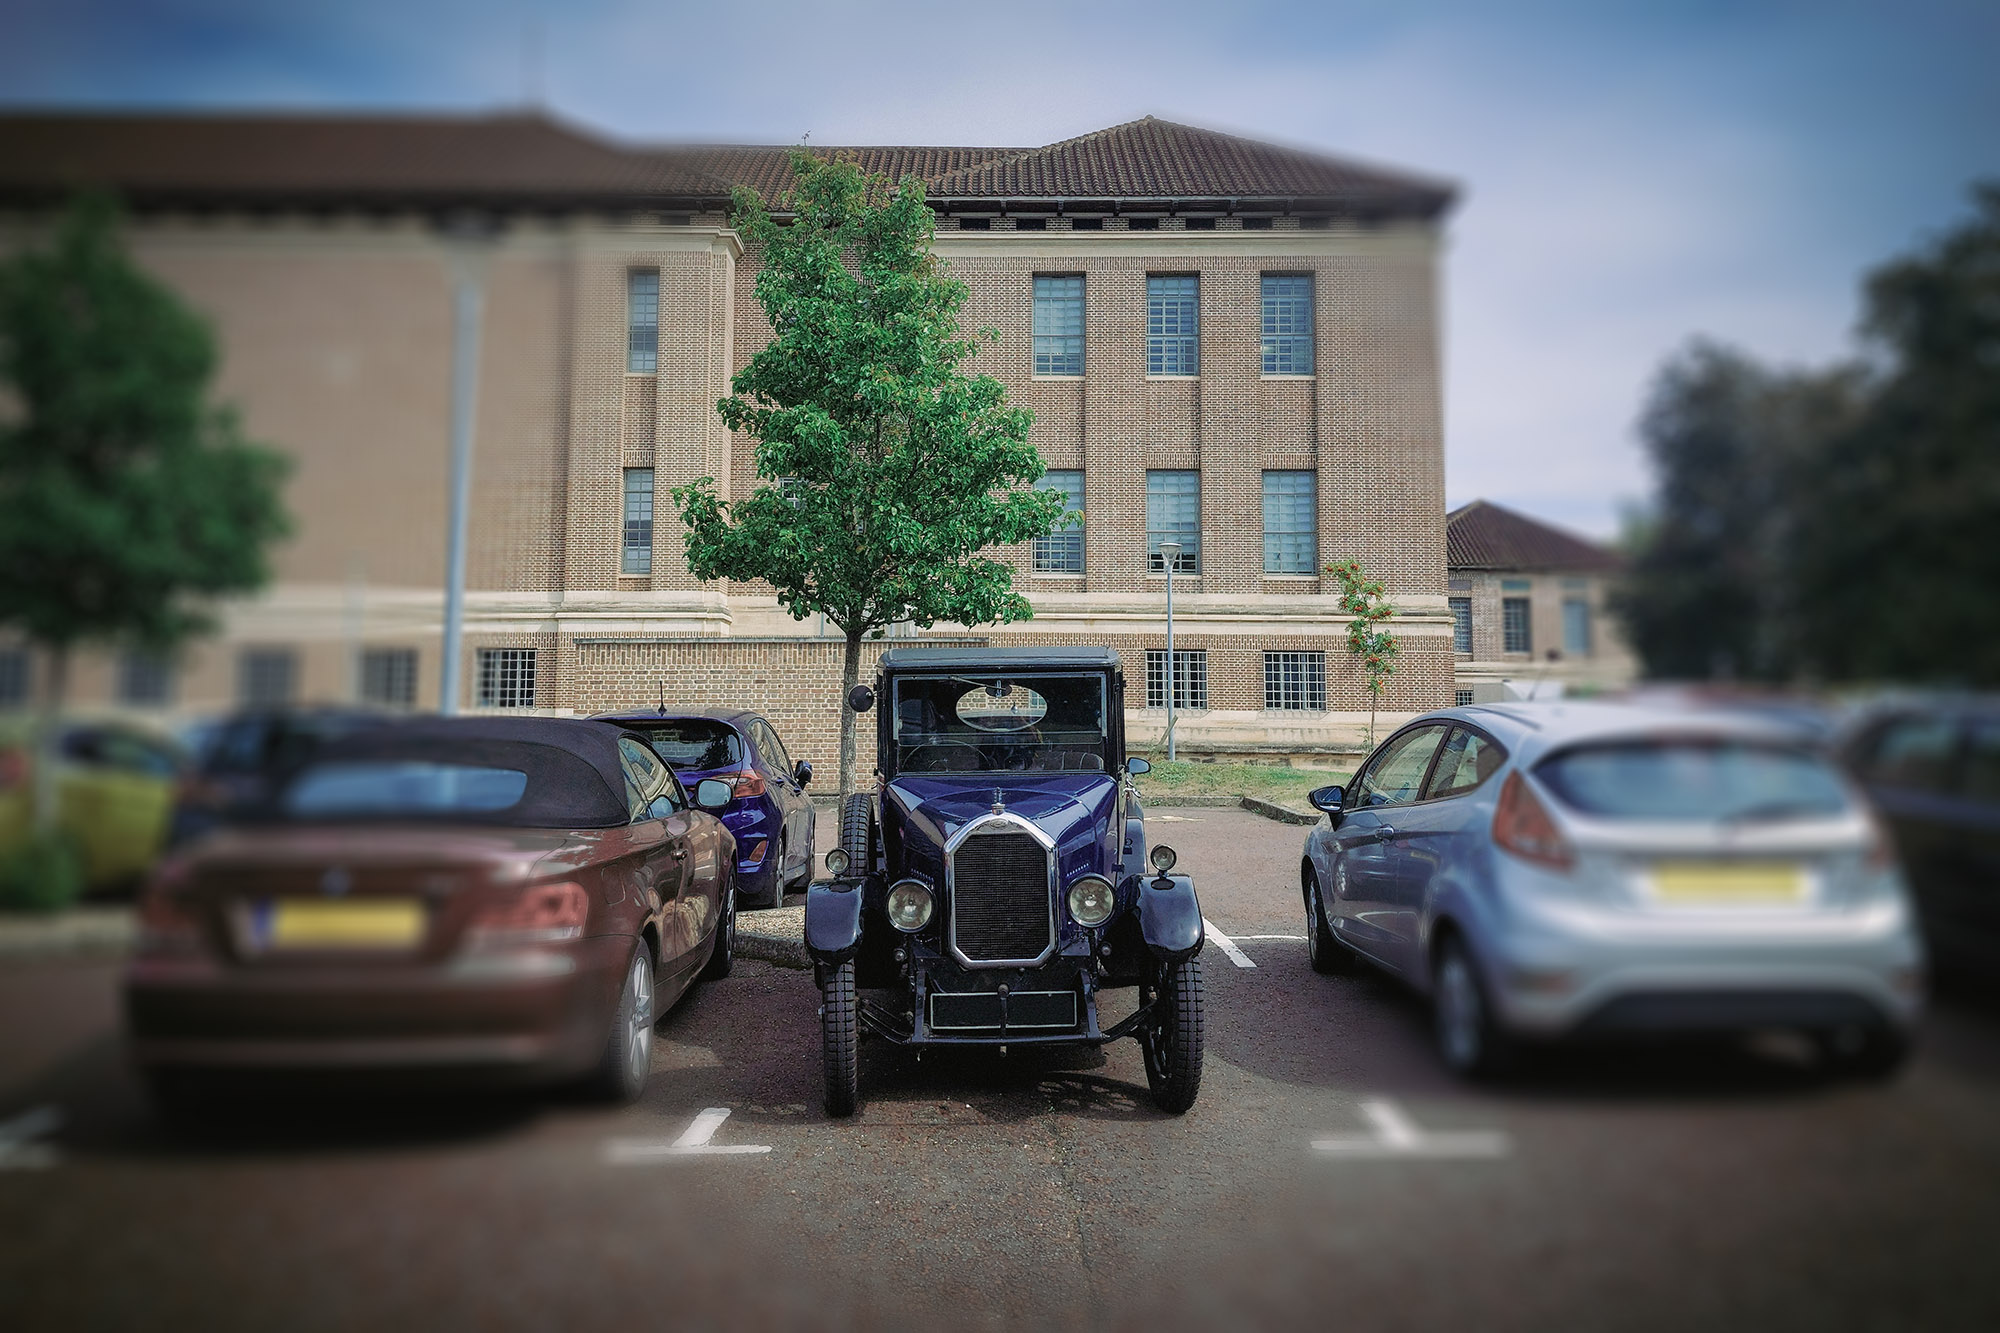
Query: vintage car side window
{"type": "Point", "coordinates": [1914, 752]}
{"type": "Point", "coordinates": [1467, 759]}
{"type": "Point", "coordinates": [648, 784]}
{"type": "Point", "coordinates": [1397, 775]}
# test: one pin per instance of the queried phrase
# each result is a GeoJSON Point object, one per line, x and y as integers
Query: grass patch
{"type": "Point", "coordinates": [1269, 782]}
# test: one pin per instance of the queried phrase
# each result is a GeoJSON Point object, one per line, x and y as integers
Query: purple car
{"type": "Point", "coordinates": [770, 814]}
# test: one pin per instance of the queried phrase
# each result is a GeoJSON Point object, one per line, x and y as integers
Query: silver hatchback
{"type": "Point", "coordinates": [1604, 870]}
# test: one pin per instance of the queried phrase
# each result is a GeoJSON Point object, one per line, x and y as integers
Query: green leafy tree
{"type": "Point", "coordinates": [1368, 608]}
{"type": "Point", "coordinates": [898, 468]}
{"type": "Point", "coordinates": [127, 502]}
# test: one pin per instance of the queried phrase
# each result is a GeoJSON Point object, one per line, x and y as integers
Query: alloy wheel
{"type": "Point", "coordinates": [1461, 1014]}
{"type": "Point", "coordinates": [639, 1034]}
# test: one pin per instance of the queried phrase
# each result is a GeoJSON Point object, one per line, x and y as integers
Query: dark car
{"type": "Point", "coordinates": [768, 810]}
{"type": "Point", "coordinates": [241, 759]}
{"type": "Point", "coordinates": [492, 896]}
{"type": "Point", "coordinates": [1003, 884]}
{"type": "Point", "coordinates": [1932, 767]}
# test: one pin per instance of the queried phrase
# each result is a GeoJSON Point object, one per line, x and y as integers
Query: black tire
{"type": "Point", "coordinates": [628, 1047]}
{"type": "Point", "coordinates": [1328, 956]}
{"type": "Point", "coordinates": [1173, 1042]}
{"type": "Point", "coordinates": [777, 898]}
{"type": "Point", "coordinates": [840, 1040]}
{"type": "Point", "coordinates": [1874, 1054]}
{"type": "Point", "coordinates": [1469, 1040]}
{"type": "Point", "coordinates": [722, 953]}
{"type": "Point", "coordinates": [857, 832]}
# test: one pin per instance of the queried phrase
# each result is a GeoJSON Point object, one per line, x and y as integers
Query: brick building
{"type": "Point", "coordinates": [1222, 341]}
{"type": "Point", "coordinates": [1528, 607]}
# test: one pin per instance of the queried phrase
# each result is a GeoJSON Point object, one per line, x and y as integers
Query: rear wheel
{"type": "Point", "coordinates": [1468, 1039]}
{"type": "Point", "coordinates": [722, 955]}
{"type": "Point", "coordinates": [839, 1035]}
{"type": "Point", "coordinates": [628, 1048]}
{"type": "Point", "coordinates": [778, 875]}
{"type": "Point", "coordinates": [1173, 1041]}
{"type": "Point", "coordinates": [1326, 953]}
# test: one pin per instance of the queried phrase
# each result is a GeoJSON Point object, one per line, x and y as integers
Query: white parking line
{"type": "Point", "coordinates": [1296, 938]}
{"type": "Point", "coordinates": [1397, 1136]}
{"type": "Point", "coordinates": [1227, 945]}
{"type": "Point", "coordinates": [18, 1149]}
{"type": "Point", "coordinates": [693, 1142]}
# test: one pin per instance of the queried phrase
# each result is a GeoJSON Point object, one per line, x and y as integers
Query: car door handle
{"type": "Point", "coordinates": [680, 854]}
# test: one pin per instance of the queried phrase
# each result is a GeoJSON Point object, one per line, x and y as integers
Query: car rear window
{"type": "Point", "coordinates": [1695, 779]}
{"type": "Point", "coordinates": [403, 788]}
{"type": "Point", "coordinates": [693, 742]}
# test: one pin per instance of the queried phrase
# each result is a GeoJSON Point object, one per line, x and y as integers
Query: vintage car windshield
{"type": "Point", "coordinates": [979, 722]}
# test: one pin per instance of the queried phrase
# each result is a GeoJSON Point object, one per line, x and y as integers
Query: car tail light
{"type": "Point", "coordinates": [541, 914]}
{"type": "Point", "coordinates": [166, 923]}
{"type": "Point", "coordinates": [747, 783]}
{"type": "Point", "coordinates": [13, 768]}
{"type": "Point", "coordinates": [1522, 825]}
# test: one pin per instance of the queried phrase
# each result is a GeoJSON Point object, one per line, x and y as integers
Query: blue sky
{"type": "Point", "coordinates": [1633, 175]}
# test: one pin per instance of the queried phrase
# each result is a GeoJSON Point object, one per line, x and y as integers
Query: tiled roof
{"type": "Point", "coordinates": [528, 158]}
{"type": "Point", "coordinates": [1157, 159]}
{"type": "Point", "coordinates": [1484, 535]}
{"type": "Point", "coordinates": [359, 158]}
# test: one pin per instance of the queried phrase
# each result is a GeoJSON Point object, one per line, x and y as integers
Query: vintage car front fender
{"type": "Point", "coordinates": [833, 921]}
{"type": "Point", "coordinates": [1169, 917]}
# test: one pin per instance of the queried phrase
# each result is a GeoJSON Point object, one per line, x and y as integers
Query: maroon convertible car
{"type": "Point", "coordinates": [493, 895]}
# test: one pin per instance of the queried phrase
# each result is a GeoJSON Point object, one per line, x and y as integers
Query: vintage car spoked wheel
{"type": "Point", "coordinates": [722, 960]}
{"type": "Point", "coordinates": [839, 1034]}
{"type": "Point", "coordinates": [1172, 1042]}
{"type": "Point", "coordinates": [1467, 1037]}
{"type": "Point", "coordinates": [1326, 953]}
{"type": "Point", "coordinates": [628, 1049]}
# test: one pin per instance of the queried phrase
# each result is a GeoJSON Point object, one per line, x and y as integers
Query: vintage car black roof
{"type": "Point", "coordinates": [574, 776]}
{"type": "Point", "coordinates": [1011, 658]}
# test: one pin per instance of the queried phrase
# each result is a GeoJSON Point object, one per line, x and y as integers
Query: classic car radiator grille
{"type": "Point", "coordinates": [1000, 897]}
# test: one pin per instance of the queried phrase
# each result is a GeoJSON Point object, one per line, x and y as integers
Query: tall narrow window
{"type": "Point", "coordinates": [1291, 520]}
{"type": "Point", "coordinates": [1173, 509]}
{"type": "Point", "coordinates": [637, 556]}
{"type": "Point", "coordinates": [1060, 550]}
{"type": "Point", "coordinates": [1288, 324]}
{"type": "Point", "coordinates": [1059, 324]}
{"type": "Point", "coordinates": [1190, 678]}
{"type": "Point", "coordinates": [389, 676]}
{"type": "Point", "coordinates": [267, 677]}
{"type": "Point", "coordinates": [1576, 626]}
{"type": "Point", "coordinates": [1461, 625]}
{"type": "Point", "coordinates": [1173, 325]}
{"type": "Point", "coordinates": [1515, 634]}
{"type": "Point", "coordinates": [145, 680]}
{"type": "Point", "coordinates": [642, 321]}
{"type": "Point", "coordinates": [506, 678]}
{"type": "Point", "coordinates": [1295, 682]}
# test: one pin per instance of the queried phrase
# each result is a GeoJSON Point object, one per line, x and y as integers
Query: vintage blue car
{"type": "Point", "coordinates": [1004, 881]}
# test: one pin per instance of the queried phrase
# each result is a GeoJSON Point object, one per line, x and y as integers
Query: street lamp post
{"type": "Point", "coordinates": [1170, 554]}
{"type": "Point", "coordinates": [465, 239]}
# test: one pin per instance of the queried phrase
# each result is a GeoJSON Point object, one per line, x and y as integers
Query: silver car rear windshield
{"type": "Point", "coordinates": [402, 788]}
{"type": "Point", "coordinates": [1694, 779]}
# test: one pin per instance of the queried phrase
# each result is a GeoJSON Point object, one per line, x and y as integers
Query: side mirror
{"type": "Point", "coordinates": [1135, 766]}
{"type": "Point", "coordinates": [712, 793]}
{"type": "Point", "coordinates": [802, 772]}
{"type": "Point", "coordinates": [861, 698]}
{"type": "Point", "coordinates": [1326, 799]}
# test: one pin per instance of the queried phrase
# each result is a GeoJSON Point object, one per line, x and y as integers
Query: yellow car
{"type": "Point", "coordinates": [116, 783]}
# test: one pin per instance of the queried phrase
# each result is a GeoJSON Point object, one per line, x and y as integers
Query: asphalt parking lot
{"type": "Point", "coordinates": [1331, 1173]}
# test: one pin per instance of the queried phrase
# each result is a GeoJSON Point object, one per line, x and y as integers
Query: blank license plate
{"type": "Point", "coordinates": [1729, 884]}
{"type": "Point", "coordinates": [305, 923]}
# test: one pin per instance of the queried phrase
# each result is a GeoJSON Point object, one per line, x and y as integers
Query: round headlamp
{"type": "Point", "coordinates": [1091, 901]}
{"type": "Point", "coordinates": [909, 905]}
{"type": "Point", "coordinates": [836, 863]}
{"type": "Point", "coordinates": [1163, 858]}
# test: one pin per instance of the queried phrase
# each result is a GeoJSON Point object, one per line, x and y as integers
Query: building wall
{"type": "Point", "coordinates": [1610, 663]}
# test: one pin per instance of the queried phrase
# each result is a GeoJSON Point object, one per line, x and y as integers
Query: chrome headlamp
{"type": "Point", "coordinates": [1163, 858]}
{"type": "Point", "coordinates": [836, 863]}
{"type": "Point", "coordinates": [910, 905]}
{"type": "Point", "coordinates": [1091, 900]}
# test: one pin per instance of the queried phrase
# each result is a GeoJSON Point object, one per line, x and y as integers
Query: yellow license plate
{"type": "Point", "coordinates": [387, 923]}
{"type": "Point", "coordinates": [1724, 883]}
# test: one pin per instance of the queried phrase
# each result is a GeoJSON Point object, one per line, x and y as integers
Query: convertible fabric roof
{"type": "Point", "coordinates": [574, 777]}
